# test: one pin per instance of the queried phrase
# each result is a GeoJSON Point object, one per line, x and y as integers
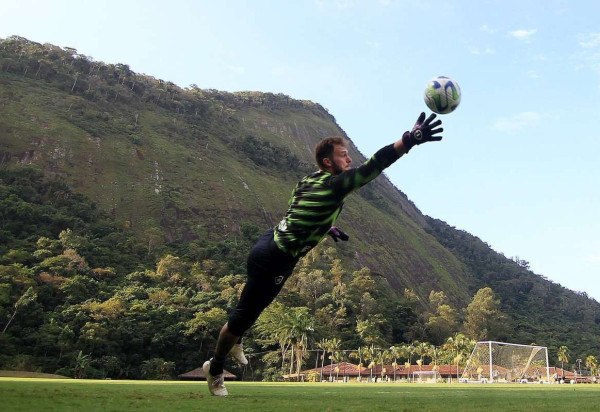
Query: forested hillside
{"type": "Point", "coordinates": [128, 205]}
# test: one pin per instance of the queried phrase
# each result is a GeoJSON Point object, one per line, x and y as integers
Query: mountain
{"type": "Point", "coordinates": [199, 165]}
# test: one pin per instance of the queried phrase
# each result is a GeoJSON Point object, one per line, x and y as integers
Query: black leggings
{"type": "Point", "coordinates": [268, 269]}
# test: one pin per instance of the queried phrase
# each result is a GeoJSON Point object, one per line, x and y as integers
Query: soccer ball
{"type": "Point", "coordinates": [442, 95]}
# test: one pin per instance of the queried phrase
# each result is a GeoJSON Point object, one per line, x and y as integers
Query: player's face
{"type": "Point", "coordinates": [340, 159]}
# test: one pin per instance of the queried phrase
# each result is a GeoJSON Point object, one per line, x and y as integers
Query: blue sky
{"type": "Point", "coordinates": [519, 164]}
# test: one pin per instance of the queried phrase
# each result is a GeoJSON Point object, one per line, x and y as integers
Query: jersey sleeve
{"type": "Point", "coordinates": [350, 180]}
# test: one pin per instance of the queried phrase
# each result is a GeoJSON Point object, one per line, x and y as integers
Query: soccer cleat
{"type": "Point", "coordinates": [237, 352]}
{"type": "Point", "coordinates": [216, 384]}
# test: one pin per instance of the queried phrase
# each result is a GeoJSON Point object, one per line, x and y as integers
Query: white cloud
{"type": "Point", "coordinates": [487, 29]}
{"type": "Point", "coordinates": [523, 34]}
{"type": "Point", "coordinates": [590, 40]}
{"type": "Point", "coordinates": [518, 121]}
{"type": "Point", "coordinates": [336, 4]}
{"type": "Point", "coordinates": [532, 74]}
{"type": "Point", "coordinates": [478, 52]}
{"type": "Point", "coordinates": [588, 56]}
{"type": "Point", "coordinates": [374, 45]}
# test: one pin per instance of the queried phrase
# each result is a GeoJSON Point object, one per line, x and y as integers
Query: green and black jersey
{"type": "Point", "coordinates": [317, 201]}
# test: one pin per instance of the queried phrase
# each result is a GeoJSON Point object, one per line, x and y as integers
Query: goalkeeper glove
{"type": "Point", "coordinates": [422, 132]}
{"type": "Point", "coordinates": [337, 233]}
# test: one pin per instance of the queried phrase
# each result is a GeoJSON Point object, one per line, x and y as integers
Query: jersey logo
{"type": "Point", "coordinates": [278, 280]}
{"type": "Point", "coordinates": [282, 226]}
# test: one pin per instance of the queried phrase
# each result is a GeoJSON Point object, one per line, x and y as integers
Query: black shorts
{"type": "Point", "coordinates": [268, 269]}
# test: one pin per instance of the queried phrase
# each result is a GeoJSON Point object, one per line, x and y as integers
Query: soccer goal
{"type": "Point", "coordinates": [507, 362]}
{"type": "Point", "coordinates": [429, 376]}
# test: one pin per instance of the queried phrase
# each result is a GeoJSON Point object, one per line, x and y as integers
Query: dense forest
{"type": "Point", "coordinates": [81, 298]}
{"type": "Point", "coordinates": [109, 270]}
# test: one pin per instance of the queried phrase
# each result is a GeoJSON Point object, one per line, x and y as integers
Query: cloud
{"type": "Point", "coordinates": [478, 52]}
{"type": "Point", "coordinates": [518, 121]}
{"type": "Point", "coordinates": [532, 74]}
{"type": "Point", "coordinates": [589, 40]}
{"type": "Point", "coordinates": [337, 4]}
{"type": "Point", "coordinates": [487, 29]}
{"type": "Point", "coordinates": [587, 57]}
{"type": "Point", "coordinates": [373, 45]}
{"type": "Point", "coordinates": [523, 34]}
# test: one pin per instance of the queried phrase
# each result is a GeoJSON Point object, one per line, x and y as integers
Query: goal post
{"type": "Point", "coordinates": [507, 362]}
{"type": "Point", "coordinates": [431, 376]}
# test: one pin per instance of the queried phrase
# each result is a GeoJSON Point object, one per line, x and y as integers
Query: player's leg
{"type": "Point", "coordinates": [268, 269]}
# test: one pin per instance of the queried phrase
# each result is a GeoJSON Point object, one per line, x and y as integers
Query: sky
{"type": "Point", "coordinates": [519, 163]}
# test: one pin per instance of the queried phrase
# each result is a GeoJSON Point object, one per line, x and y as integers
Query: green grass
{"type": "Point", "coordinates": [26, 374]}
{"type": "Point", "coordinates": [88, 395]}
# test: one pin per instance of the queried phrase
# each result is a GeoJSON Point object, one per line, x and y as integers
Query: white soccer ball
{"type": "Point", "coordinates": [442, 95]}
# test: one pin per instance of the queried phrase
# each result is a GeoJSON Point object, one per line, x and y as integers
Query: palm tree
{"type": "Point", "coordinates": [383, 357]}
{"type": "Point", "coordinates": [370, 356]}
{"type": "Point", "coordinates": [460, 346]}
{"type": "Point", "coordinates": [394, 354]}
{"type": "Point", "coordinates": [323, 344]}
{"type": "Point", "coordinates": [435, 353]}
{"type": "Point", "coordinates": [360, 354]}
{"type": "Point", "coordinates": [300, 325]}
{"type": "Point", "coordinates": [408, 350]}
{"type": "Point", "coordinates": [563, 356]}
{"type": "Point", "coordinates": [290, 328]}
{"type": "Point", "coordinates": [332, 346]}
{"type": "Point", "coordinates": [592, 364]}
{"type": "Point", "coordinates": [422, 349]}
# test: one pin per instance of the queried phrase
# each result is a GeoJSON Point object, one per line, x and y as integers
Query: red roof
{"type": "Point", "coordinates": [349, 369]}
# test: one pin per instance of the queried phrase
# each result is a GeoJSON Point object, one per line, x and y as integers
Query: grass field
{"type": "Point", "coordinates": [26, 394]}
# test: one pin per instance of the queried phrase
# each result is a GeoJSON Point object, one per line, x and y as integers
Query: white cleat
{"type": "Point", "coordinates": [237, 352]}
{"type": "Point", "coordinates": [216, 384]}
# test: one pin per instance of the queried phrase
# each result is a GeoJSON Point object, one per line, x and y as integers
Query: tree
{"type": "Point", "coordinates": [359, 354]}
{"type": "Point", "coordinates": [563, 356]}
{"type": "Point", "coordinates": [394, 354]}
{"type": "Point", "coordinates": [442, 323]}
{"type": "Point", "coordinates": [26, 298]}
{"type": "Point", "coordinates": [369, 331]}
{"type": "Point", "coordinates": [157, 368]}
{"type": "Point", "coordinates": [484, 318]}
{"type": "Point", "coordinates": [422, 349]}
{"type": "Point", "coordinates": [371, 355]}
{"type": "Point", "coordinates": [459, 347]}
{"type": "Point", "coordinates": [82, 363]}
{"type": "Point", "coordinates": [288, 327]}
{"type": "Point", "coordinates": [205, 324]}
{"type": "Point", "coordinates": [333, 347]}
{"type": "Point", "coordinates": [592, 364]}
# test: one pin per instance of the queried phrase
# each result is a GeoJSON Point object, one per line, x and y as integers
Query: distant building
{"type": "Point", "coordinates": [343, 371]}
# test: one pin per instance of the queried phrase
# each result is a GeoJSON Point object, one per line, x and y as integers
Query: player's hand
{"type": "Point", "coordinates": [423, 131]}
{"type": "Point", "coordinates": [338, 234]}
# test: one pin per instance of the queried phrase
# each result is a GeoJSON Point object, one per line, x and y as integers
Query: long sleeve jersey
{"type": "Point", "coordinates": [318, 199]}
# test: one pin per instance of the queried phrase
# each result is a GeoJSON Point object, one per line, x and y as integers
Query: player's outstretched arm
{"type": "Point", "coordinates": [423, 131]}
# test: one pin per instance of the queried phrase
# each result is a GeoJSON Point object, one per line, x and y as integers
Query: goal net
{"type": "Point", "coordinates": [430, 376]}
{"type": "Point", "coordinates": [507, 362]}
